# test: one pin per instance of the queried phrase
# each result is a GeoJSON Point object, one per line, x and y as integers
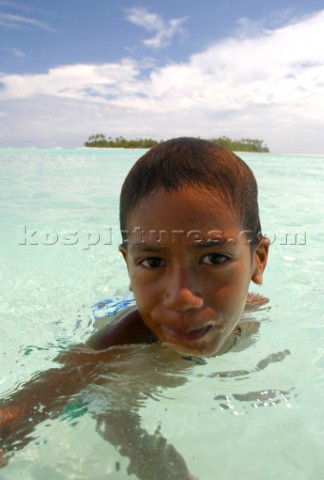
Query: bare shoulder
{"type": "Point", "coordinates": [254, 301]}
{"type": "Point", "coordinates": [128, 329]}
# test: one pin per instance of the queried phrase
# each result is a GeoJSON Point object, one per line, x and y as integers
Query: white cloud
{"type": "Point", "coordinates": [73, 81]}
{"type": "Point", "coordinates": [15, 52]}
{"type": "Point", "coordinates": [8, 20]}
{"type": "Point", "coordinates": [151, 22]}
{"type": "Point", "coordinates": [268, 86]}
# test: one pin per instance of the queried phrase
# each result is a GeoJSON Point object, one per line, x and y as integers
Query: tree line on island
{"type": "Point", "coordinates": [99, 140]}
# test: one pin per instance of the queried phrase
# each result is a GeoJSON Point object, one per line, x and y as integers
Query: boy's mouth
{"type": "Point", "coordinates": [189, 335]}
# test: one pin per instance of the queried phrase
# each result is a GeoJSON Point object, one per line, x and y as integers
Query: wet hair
{"type": "Point", "coordinates": [185, 161]}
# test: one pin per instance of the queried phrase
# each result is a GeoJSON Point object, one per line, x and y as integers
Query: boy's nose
{"type": "Point", "coordinates": [180, 294]}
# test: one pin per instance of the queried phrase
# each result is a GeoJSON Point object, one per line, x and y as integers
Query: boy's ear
{"type": "Point", "coordinates": [260, 257]}
{"type": "Point", "coordinates": [123, 251]}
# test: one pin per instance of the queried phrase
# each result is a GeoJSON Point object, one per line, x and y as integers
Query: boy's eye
{"type": "Point", "coordinates": [152, 262]}
{"type": "Point", "coordinates": [214, 259]}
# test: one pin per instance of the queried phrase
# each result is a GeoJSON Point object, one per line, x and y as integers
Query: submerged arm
{"type": "Point", "coordinates": [151, 456]}
{"type": "Point", "coordinates": [47, 392]}
{"type": "Point", "coordinates": [44, 396]}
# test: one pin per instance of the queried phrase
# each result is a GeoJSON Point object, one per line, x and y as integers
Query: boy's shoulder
{"type": "Point", "coordinates": [254, 301]}
{"type": "Point", "coordinates": [128, 328]}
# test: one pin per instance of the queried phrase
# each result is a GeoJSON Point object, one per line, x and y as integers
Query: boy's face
{"type": "Point", "coordinates": [190, 268]}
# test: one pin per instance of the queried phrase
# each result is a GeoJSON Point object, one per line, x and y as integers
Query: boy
{"type": "Point", "coordinates": [192, 243]}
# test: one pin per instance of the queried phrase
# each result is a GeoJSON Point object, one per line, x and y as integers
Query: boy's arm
{"type": "Point", "coordinates": [42, 397]}
{"type": "Point", "coordinates": [150, 455]}
{"type": "Point", "coordinates": [48, 392]}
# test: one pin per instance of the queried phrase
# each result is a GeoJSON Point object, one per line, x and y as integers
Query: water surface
{"type": "Point", "coordinates": [256, 413]}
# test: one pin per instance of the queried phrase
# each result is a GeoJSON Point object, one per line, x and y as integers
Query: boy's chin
{"type": "Point", "coordinates": [187, 351]}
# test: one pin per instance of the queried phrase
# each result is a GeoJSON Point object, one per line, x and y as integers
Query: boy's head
{"type": "Point", "coordinates": [190, 267]}
{"type": "Point", "coordinates": [184, 162]}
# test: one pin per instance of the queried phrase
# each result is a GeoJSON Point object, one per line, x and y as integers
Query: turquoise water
{"type": "Point", "coordinates": [250, 414]}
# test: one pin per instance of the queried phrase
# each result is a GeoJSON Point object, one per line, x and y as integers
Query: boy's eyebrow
{"type": "Point", "coordinates": [144, 247]}
{"type": "Point", "coordinates": [215, 241]}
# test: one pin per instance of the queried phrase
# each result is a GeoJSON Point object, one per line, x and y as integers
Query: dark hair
{"type": "Point", "coordinates": [176, 163]}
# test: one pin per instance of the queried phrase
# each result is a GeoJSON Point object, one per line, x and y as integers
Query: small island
{"type": "Point", "coordinates": [99, 140]}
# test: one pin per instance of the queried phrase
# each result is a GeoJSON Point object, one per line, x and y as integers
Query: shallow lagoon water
{"type": "Point", "coordinates": [255, 413]}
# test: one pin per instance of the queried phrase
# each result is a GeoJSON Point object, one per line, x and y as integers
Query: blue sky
{"type": "Point", "coordinates": [241, 68]}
